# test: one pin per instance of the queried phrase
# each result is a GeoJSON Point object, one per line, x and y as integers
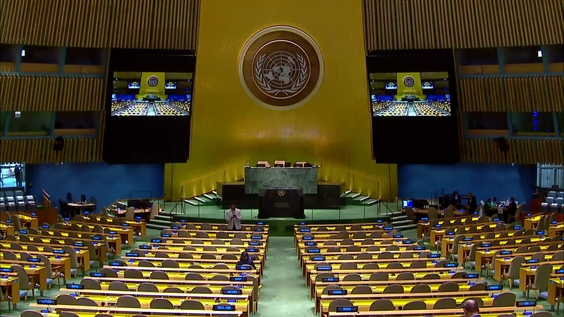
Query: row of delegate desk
{"type": "Point", "coordinates": [197, 275]}
{"type": "Point", "coordinates": [370, 277]}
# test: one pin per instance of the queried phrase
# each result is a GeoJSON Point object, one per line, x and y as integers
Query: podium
{"type": "Point", "coordinates": [281, 203]}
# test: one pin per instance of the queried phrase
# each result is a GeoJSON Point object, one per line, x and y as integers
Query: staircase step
{"type": "Point", "coordinates": [365, 198]}
{"type": "Point", "coordinates": [346, 193]}
{"type": "Point", "coordinates": [401, 222]}
{"type": "Point", "coordinates": [406, 227]}
{"type": "Point", "coordinates": [398, 218]}
{"type": "Point", "coordinates": [371, 202]}
{"type": "Point", "coordinates": [155, 226]}
{"type": "Point", "coordinates": [396, 213]}
{"type": "Point", "coordinates": [353, 196]}
{"type": "Point", "coordinates": [202, 200]}
{"type": "Point", "coordinates": [191, 202]}
{"type": "Point", "coordinates": [165, 213]}
{"type": "Point", "coordinates": [160, 222]}
{"type": "Point", "coordinates": [210, 197]}
{"type": "Point", "coordinates": [215, 193]}
{"type": "Point", "coordinates": [163, 217]}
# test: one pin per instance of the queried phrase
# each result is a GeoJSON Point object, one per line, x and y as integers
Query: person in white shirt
{"type": "Point", "coordinates": [233, 217]}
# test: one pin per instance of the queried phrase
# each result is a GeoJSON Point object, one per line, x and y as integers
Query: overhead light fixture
{"type": "Point", "coordinates": [539, 53]}
{"type": "Point", "coordinates": [23, 53]}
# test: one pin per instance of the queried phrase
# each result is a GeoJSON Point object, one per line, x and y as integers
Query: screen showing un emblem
{"type": "Point", "coordinates": [152, 81]}
{"type": "Point", "coordinates": [281, 67]}
{"type": "Point", "coordinates": [408, 81]}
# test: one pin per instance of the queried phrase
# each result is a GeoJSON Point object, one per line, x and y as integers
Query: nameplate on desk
{"type": "Point", "coordinates": [156, 241]}
{"type": "Point", "coordinates": [114, 263]}
{"type": "Point", "coordinates": [408, 241]}
{"type": "Point", "coordinates": [526, 303]}
{"type": "Point", "coordinates": [145, 247]}
{"type": "Point", "coordinates": [347, 309]}
{"type": "Point", "coordinates": [258, 230]}
{"type": "Point", "coordinates": [8, 221]}
{"type": "Point", "coordinates": [75, 286]}
{"type": "Point", "coordinates": [559, 271]}
{"type": "Point", "coordinates": [379, 221]}
{"type": "Point", "coordinates": [46, 301]}
{"type": "Point", "coordinates": [254, 243]}
{"type": "Point", "coordinates": [256, 237]}
{"type": "Point", "coordinates": [310, 243]}
{"type": "Point", "coordinates": [96, 238]}
{"type": "Point", "coordinates": [165, 235]}
{"type": "Point", "coordinates": [451, 265]}
{"type": "Point", "coordinates": [35, 260]}
{"type": "Point", "coordinates": [223, 307]}
{"type": "Point", "coordinates": [324, 268]}
{"type": "Point", "coordinates": [540, 232]}
{"type": "Point", "coordinates": [243, 267]}
{"type": "Point", "coordinates": [112, 232]}
{"type": "Point", "coordinates": [97, 274]}
{"type": "Point", "coordinates": [308, 238]}
{"type": "Point", "coordinates": [528, 215]}
{"type": "Point", "coordinates": [175, 227]}
{"type": "Point", "coordinates": [425, 218]}
{"type": "Point", "coordinates": [517, 228]}
{"type": "Point", "coordinates": [252, 250]}
{"type": "Point", "coordinates": [67, 219]}
{"type": "Point", "coordinates": [313, 250]}
{"type": "Point", "coordinates": [475, 212]}
{"type": "Point", "coordinates": [468, 239]}
{"type": "Point", "coordinates": [260, 223]}
{"type": "Point", "coordinates": [330, 279]}
{"type": "Point", "coordinates": [494, 288]}
{"type": "Point", "coordinates": [304, 230]}
{"type": "Point", "coordinates": [302, 223]}
{"type": "Point", "coordinates": [124, 224]}
{"type": "Point", "coordinates": [182, 220]}
{"type": "Point", "coordinates": [132, 254]}
{"type": "Point", "coordinates": [438, 225]}
{"type": "Point", "coordinates": [6, 270]}
{"type": "Point", "coordinates": [486, 245]}
{"type": "Point", "coordinates": [505, 252]}
{"type": "Point", "coordinates": [59, 252]}
{"type": "Point", "coordinates": [318, 258]}
{"type": "Point", "coordinates": [554, 222]}
{"type": "Point", "coordinates": [33, 214]}
{"type": "Point", "coordinates": [231, 291]}
{"type": "Point", "coordinates": [471, 275]}
{"type": "Point", "coordinates": [86, 213]}
{"type": "Point", "coordinates": [45, 226]}
{"type": "Point", "coordinates": [337, 292]}
{"type": "Point", "coordinates": [434, 256]}
{"type": "Point", "coordinates": [398, 236]}
{"type": "Point", "coordinates": [23, 231]}
{"type": "Point", "coordinates": [78, 244]}
{"type": "Point", "coordinates": [450, 233]}
{"type": "Point", "coordinates": [532, 261]}
{"type": "Point", "coordinates": [138, 217]}
{"type": "Point", "coordinates": [238, 278]}
{"type": "Point", "coordinates": [388, 228]}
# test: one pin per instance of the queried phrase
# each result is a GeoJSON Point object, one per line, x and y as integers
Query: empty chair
{"type": "Point", "coordinates": [449, 287]}
{"type": "Point", "coordinates": [352, 277]}
{"type": "Point", "coordinates": [348, 266]}
{"type": "Point", "coordinates": [133, 273]}
{"type": "Point", "coordinates": [191, 304]}
{"type": "Point", "coordinates": [343, 257]}
{"type": "Point", "coordinates": [405, 276]}
{"type": "Point", "coordinates": [371, 266]}
{"type": "Point", "coordinates": [128, 301]}
{"type": "Point", "coordinates": [118, 286]}
{"type": "Point", "coordinates": [394, 265]}
{"type": "Point", "coordinates": [415, 305]}
{"type": "Point", "coordinates": [161, 303]}
{"type": "Point", "coordinates": [421, 288]}
{"type": "Point", "coordinates": [540, 281]}
{"type": "Point", "coordinates": [379, 276]}
{"type": "Point", "coordinates": [435, 276]}
{"type": "Point", "coordinates": [394, 289]}
{"type": "Point", "coordinates": [420, 264]}
{"type": "Point", "coordinates": [361, 289]}
{"type": "Point", "coordinates": [64, 299]}
{"type": "Point", "coordinates": [340, 302]}
{"type": "Point", "coordinates": [386, 255]}
{"type": "Point", "coordinates": [91, 284]}
{"type": "Point", "coordinates": [382, 304]}
{"type": "Point", "coordinates": [148, 287]}
{"type": "Point", "coordinates": [159, 275]}
{"type": "Point", "coordinates": [507, 299]}
{"type": "Point", "coordinates": [445, 303]}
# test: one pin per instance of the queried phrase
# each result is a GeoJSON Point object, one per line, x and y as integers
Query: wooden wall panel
{"type": "Point", "coordinates": [420, 24]}
{"type": "Point", "coordinates": [51, 93]}
{"type": "Point", "coordinates": [40, 150]}
{"type": "Point", "coordinates": [521, 151]}
{"type": "Point", "coordinates": [170, 24]}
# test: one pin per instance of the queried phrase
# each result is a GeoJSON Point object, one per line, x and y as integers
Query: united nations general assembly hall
{"type": "Point", "coordinates": [281, 158]}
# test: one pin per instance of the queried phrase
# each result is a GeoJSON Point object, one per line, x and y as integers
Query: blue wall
{"type": "Point", "coordinates": [483, 180]}
{"type": "Point", "coordinates": [106, 182]}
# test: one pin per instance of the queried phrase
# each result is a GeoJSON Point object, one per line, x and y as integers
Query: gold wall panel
{"type": "Point", "coordinates": [332, 129]}
{"type": "Point", "coordinates": [521, 151]}
{"type": "Point", "coordinates": [51, 93]}
{"type": "Point", "coordinates": [422, 24]}
{"type": "Point", "coordinates": [170, 24]}
{"type": "Point", "coordinates": [33, 151]}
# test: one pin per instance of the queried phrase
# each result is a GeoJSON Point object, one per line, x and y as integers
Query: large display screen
{"type": "Point", "coordinates": [148, 106]}
{"type": "Point", "coordinates": [413, 94]}
{"type": "Point", "coordinates": [413, 104]}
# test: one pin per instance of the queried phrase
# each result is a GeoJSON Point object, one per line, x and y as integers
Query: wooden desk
{"type": "Point", "coordinates": [423, 226]}
{"type": "Point", "coordinates": [126, 233]}
{"type": "Point", "coordinates": [437, 234]}
{"type": "Point", "coordinates": [38, 274]}
{"type": "Point", "coordinates": [6, 229]}
{"type": "Point", "coordinates": [464, 249]}
{"type": "Point", "coordinates": [526, 275]}
{"type": "Point", "coordinates": [99, 246]}
{"type": "Point", "coordinates": [114, 241]}
{"type": "Point", "coordinates": [10, 286]}
{"type": "Point", "coordinates": [139, 227]}
{"type": "Point", "coordinates": [484, 312]}
{"type": "Point", "coordinates": [448, 241]}
{"type": "Point", "coordinates": [557, 229]}
{"type": "Point", "coordinates": [80, 207]}
{"type": "Point", "coordinates": [63, 263]}
{"type": "Point", "coordinates": [83, 255]}
{"type": "Point", "coordinates": [330, 256]}
{"type": "Point", "coordinates": [363, 249]}
{"type": "Point", "coordinates": [186, 263]}
{"type": "Point", "coordinates": [555, 290]}
{"type": "Point", "coordinates": [222, 226]}
{"type": "Point", "coordinates": [457, 213]}
{"type": "Point", "coordinates": [131, 311]}
{"type": "Point", "coordinates": [502, 262]}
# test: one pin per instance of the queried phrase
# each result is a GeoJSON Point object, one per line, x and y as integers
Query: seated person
{"type": "Point", "coordinates": [245, 259]}
{"type": "Point", "coordinates": [471, 206]}
{"type": "Point", "coordinates": [509, 210]}
{"type": "Point", "coordinates": [489, 208]}
{"type": "Point", "coordinates": [455, 200]}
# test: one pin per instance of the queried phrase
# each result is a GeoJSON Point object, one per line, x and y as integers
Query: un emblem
{"type": "Point", "coordinates": [281, 67]}
{"type": "Point", "coordinates": [408, 81]}
{"type": "Point", "coordinates": [152, 81]}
